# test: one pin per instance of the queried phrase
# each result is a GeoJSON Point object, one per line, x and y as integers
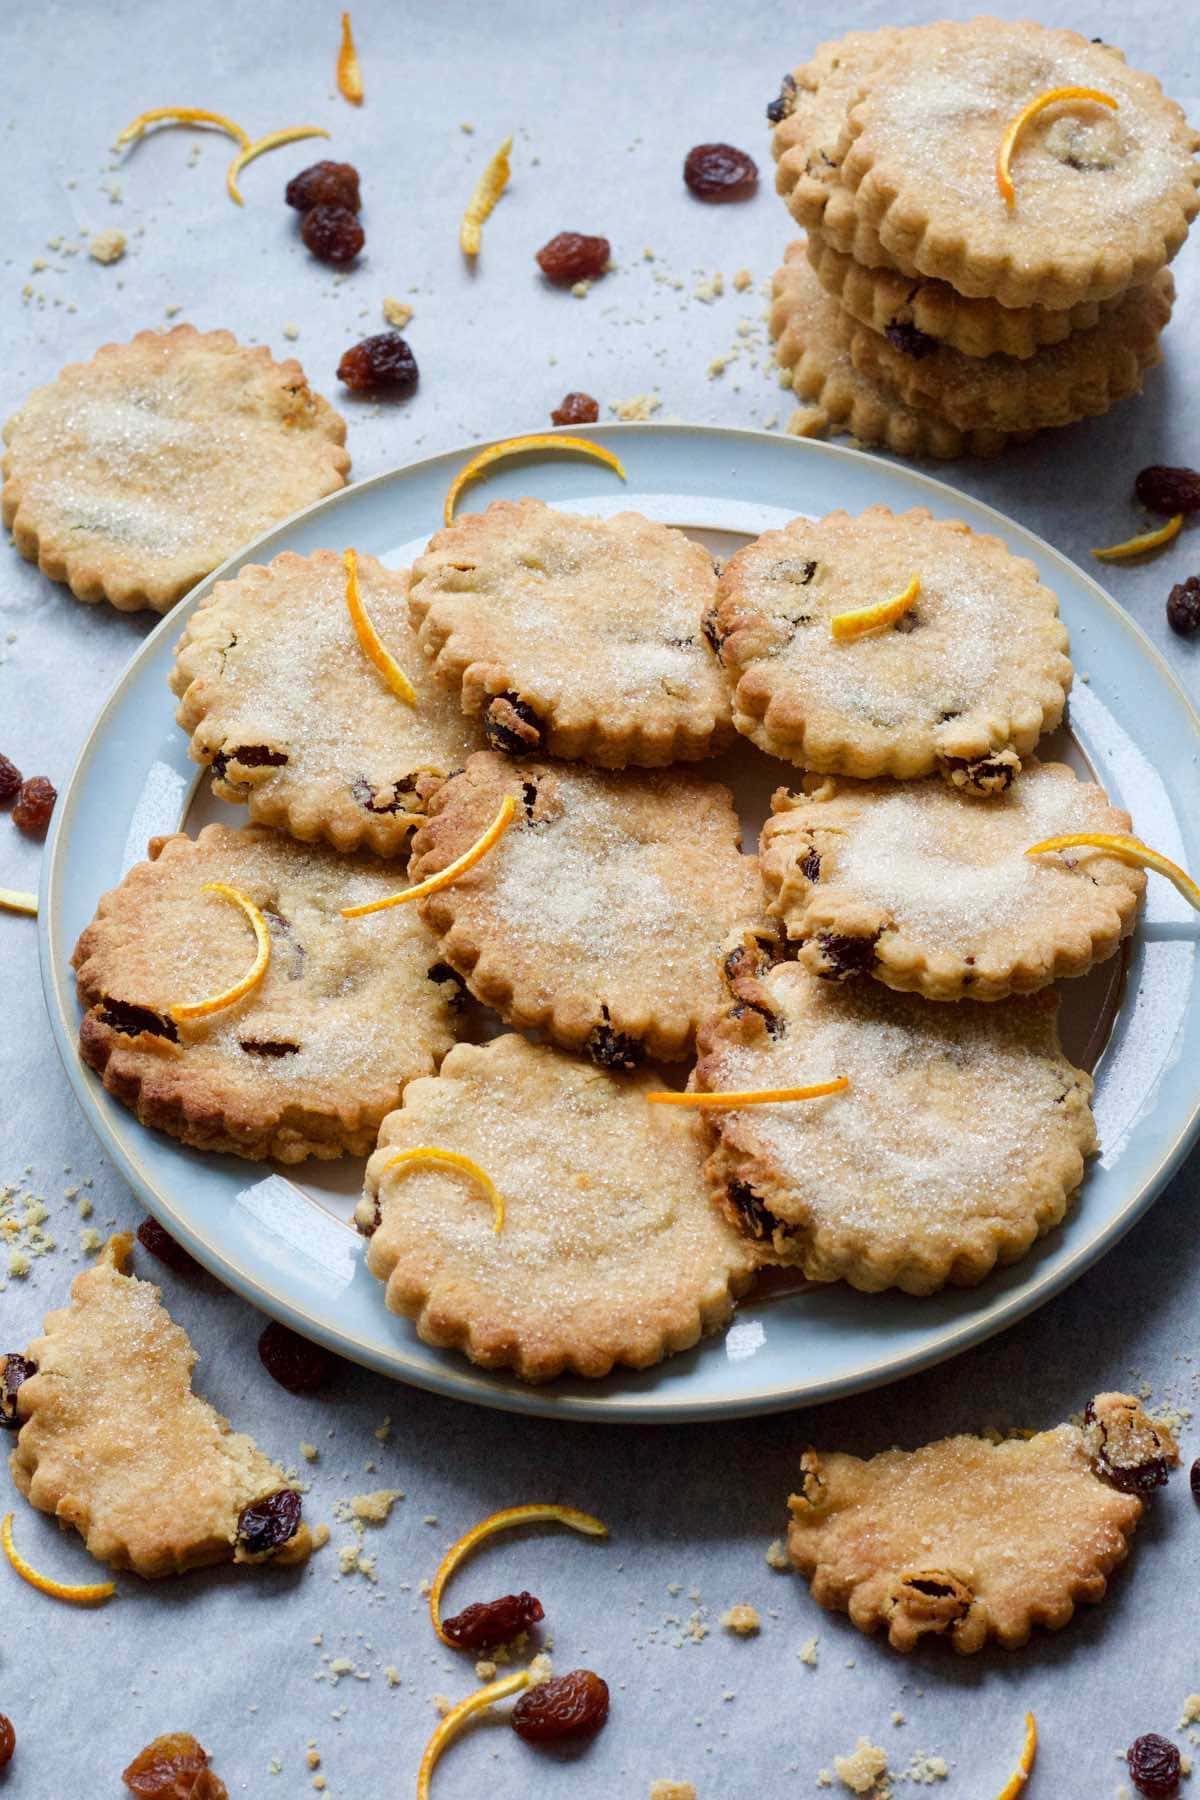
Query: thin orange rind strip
{"type": "Point", "coordinates": [14, 900]}
{"type": "Point", "coordinates": [200, 1009]}
{"type": "Point", "coordinates": [537, 440]}
{"type": "Point", "coordinates": [450, 873]}
{"type": "Point", "coordinates": [88, 1593]}
{"type": "Point", "coordinates": [182, 115]}
{"type": "Point", "coordinates": [1128, 850]}
{"type": "Point", "coordinates": [1020, 1775]}
{"type": "Point", "coordinates": [1014, 129]}
{"type": "Point", "coordinates": [750, 1096]}
{"type": "Point", "coordinates": [536, 1513]}
{"type": "Point", "coordinates": [1146, 540]}
{"type": "Point", "coordinates": [457, 1717]}
{"type": "Point", "coordinates": [488, 189]}
{"type": "Point", "coordinates": [349, 70]}
{"type": "Point", "coordinates": [427, 1156]}
{"type": "Point", "coordinates": [847, 626]}
{"type": "Point", "coordinates": [370, 639]}
{"type": "Point", "coordinates": [291, 134]}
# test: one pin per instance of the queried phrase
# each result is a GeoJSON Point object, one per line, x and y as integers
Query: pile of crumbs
{"type": "Point", "coordinates": [23, 1214]}
{"type": "Point", "coordinates": [672, 1790]}
{"type": "Point", "coordinates": [742, 1619]}
{"type": "Point", "coordinates": [107, 246]}
{"type": "Point", "coordinates": [359, 1511]}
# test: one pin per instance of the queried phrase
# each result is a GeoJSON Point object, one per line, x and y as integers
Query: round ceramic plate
{"type": "Point", "coordinates": [284, 1240]}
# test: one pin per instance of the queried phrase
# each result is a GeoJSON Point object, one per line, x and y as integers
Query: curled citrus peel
{"type": "Point", "coordinates": [182, 115]}
{"type": "Point", "coordinates": [1146, 540]}
{"type": "Point", "coordinates": [488, 189]}
{"type": "Point", "coordinates": [370, 639]}
{"type": "Point", "coordinates": [425, 1156]}
{"type": "Point", "coordinates": [1127, 850]}
{"type": "Point", "coordinates": [750, 1096]}
{"type": "Point", "coordinates": [291, 134]}
{"type": "Point", "coordinates": [450, 873]}
{"type": "Point", "coordinates": [349, 71]}
{"type": "Point", "coordinates": [1016, 126]}
{"type": "Point", "coordinates": [200, 1009]}
{"type": "Point", "coordinates": [13, 900]}
{"type": "Point", "coordinates": [457, 1717]}
{"type": "Point", "coordinates": [536, 1513]}
{"type": "Point", "coordinates": [1024, 1768]}
{"type": "Point", "coordinates": [537, 440]}
{"type": "Point", "coordinates": [847, 626]}
{"type": "Point", "coordinates": [88, 1593]}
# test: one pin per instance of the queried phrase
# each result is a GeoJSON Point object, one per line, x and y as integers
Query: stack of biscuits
{"type": "Point", "coordinates": [948, 298]}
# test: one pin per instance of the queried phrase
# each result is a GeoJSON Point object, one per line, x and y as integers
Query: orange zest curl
{"type": "Point", "coordinates": [1147, 540]}
{"type": "Point", "coordinates": [370, 639]}
{"type": "Point", "coordinates": [457, 1717]}
{"type": "Point", "coordinates": [1020, 1775]}
{"type": "Point", "coordinates": [450, 873]}
{"type": "Point", "coordinates": [848, 626]}
{"type": "Point", "coordinates": [291, 134]}
{"type": "Point", "coordinates": [1016, 127]}
{"type": "Point", "coordinates": [1127, 850]}
{"type": "Point", "coordinates": [537, 440]}
{"type": "Point", "coordinates": [13, 900]}
{"type": "Point", "coordinates": [750, 1096]}
{"type": "Point", "coordinates": [88, 1593]}
{"type": "Point", "coordinates": [488, 189]}
{"type": "Point", "coordinates": [182, 115]}
{"type": "Point", "coordinates": [349, 71]}
{"type": "Point", "coordinates": [537, 1513]}
{"type": "Point", "coordinates": [426, 1156]}
{"type": "Point", "coordinates": [200, 1009]}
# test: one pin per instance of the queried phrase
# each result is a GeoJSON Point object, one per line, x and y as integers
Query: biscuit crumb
{"type": "Point", "coordinates": [376, 1506]}
{"type": "Point", "coordinates": [309, 1452]}
{"type": "Point", "coordinates": [808, 1652]}
{"type": "Point", "coordinates": [776, 1555]}
{"type": "Point", "coordinates": [1191, 1711]}
{"type": "Point", "coordinates": [485, 1670]}
{"type": "Point", "coordinates": [313, 1758]}
{"type": "Point", "coordinates": [742, 280]}
{"type": "Point", "coordinates": [807, 421]}
{"type": "Point", "coordinates": [925, 1770]}
{"type": "Point", "coordinates": [383, 1432]}
{"type": "Point", "coordinates": [710, 290]}
{"type": "Point", "coordinates": [637, 407]}
{"type": "Point", "coordinates": [442, 1703]}
{"type": "Point", "coordinates": [742, 1619]}
{"type": "Point", "coordinates": [864, 1768]}
{"type": "Point", "coordinates": [291, 331]}
{"type": "Point", "coordinates": [672, 1790]}
{"type": "Point", "coordinates": [398, 314]}
{"type": "Point", "coordinates": [107, 246]}
{"type": "Point", "coordinates": [581, 288]}
{"type": "Point", "coordinates": [320, 1536]}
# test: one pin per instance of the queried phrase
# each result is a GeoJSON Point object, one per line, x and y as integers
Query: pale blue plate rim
{"type": "Point", "coordinates": [696, 454]}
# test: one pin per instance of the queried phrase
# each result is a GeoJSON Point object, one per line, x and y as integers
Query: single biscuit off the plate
{"type": "Point", "coordinates": [133, 476]}
{"type": "Point", "coordinates": [287, 709]}
{"type": "Point", "coordinates": [310, 1061]}
{"type": "Point", "coordinates": [611, 1251]}
{"type": "Point", "coordinates": [930, 890]}
{"type": "Point", "coordinates": [600, 915]}
{"type": "Point", "coordinates": [970, 1538]}
{"type": "Point", "coordinates": [114, 1442]}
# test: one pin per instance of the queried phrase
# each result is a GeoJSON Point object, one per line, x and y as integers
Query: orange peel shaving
{"type": "Point", "coordinates": [536, 1513]}
{"type": "Point", "coordinates": [182, 115]}
{"type": "Point", "coordinates": [200, 1009]}
{"type": "Point", "coordinates": [1146, 540]}
{"type": "Point", "coordinates": [488, 189]}
{"type": "Point", "coordinates": [848, 626]}
{"type": "Point", "coordinates": [1016, 126]}
{"type": "Point", "coordinates": [750, 1096]}
{"type": "Point", "coordinates": [536, 440]}
{"type": "Point", "coordinates": [291, 134]}
{"type": "Point", "coordinates": [13, 900]}
{"type": "Point", "coordinates": [1127, 850]}
{"type": "Point", "coordinates": [450, 873]}
{"type": "Point", "coordinates": [427, 1156]}
{"type": "Point", "coordinates": [457, 1717]}
{"type": "Point", "coordinates": [1025, 1761]}
{"type": "Point", "coordinates": [370, 639]}
{"type": "Point", "coordinates": [349, 70]}
{"type": "Point", "coordinates": [88, 1593]}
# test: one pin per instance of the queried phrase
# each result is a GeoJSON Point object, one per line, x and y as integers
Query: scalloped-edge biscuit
{"type": "Point", "coordinates": [1104, 197]}
{"type": "Point", "coordinates": [611, 1252]}
{"type": "Point", "coordinates": [573, 636]}
{"type": "Point", "coordinates": [311, 1060]}
{"type": "Point", "coordinates": [931, 892]}
{"type": "Point", "coordinates": [114, 1442]}
{"type": "Point", "coordinates": [964, 684]}
{"type": "Point", "coordinates": [959, 1140]}
{"type": "Point", "coordinates": [285, 707]}
{"type": "Point", "coordinates": [600, 916]}
{"type": "Point", "coordinates": [134, 475]}
{"type": "Point", "coordinates": [975, 1538]}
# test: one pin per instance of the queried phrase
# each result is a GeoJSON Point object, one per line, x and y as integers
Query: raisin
{"type": "Point", "coordinates": [843, 956]}
{"type": "Point", "coordinates": [35, 803]}
{"type": "Point", "coordinates": [8, 1741]}
{"type": "Point", "coordinates": [910, 340]}
{"type": "Point", "coordinates": [571, 257]}
{"type": "Point", "coordinates": [268, 1047]}
{"type": "Point", "coordinates": [756, 1219]}
{"type": "Point", "coordinates": [382, 364]}
{"type": "Point", "coordinates": [1183, 606]}
{"type": "Point", "coordinates": [251, 756]}
{"type": "Point", "coordinates": [492, 1622]}
{"type": "Point", "coordinates": [511, 725]}
{"type": "Point", "coordinates": [441, 972]}
{"type": "Point", "coordinates": [1128, 1451]}
{"type": "Point", "coordinates": [1154, 1766]}
{"type": "Point", "coordinates": [292, 1361]}
{"type": "Point", "coordinates": [611, 1049]}
{"type": "Point", "coordinates": [713, 637]}
{"type": "Point", "coordinates": [797, 570]}
{"type": "Point", "coordinates": [717, 172]}
{"type": "Point", "coordinates": [173, 1767]}
{"type": "Point", "coordinates": [810, 864]}
{"type": "Point", "coordinates": [160, 1243]}
{"type": "Point", "coordinates": [576, 409]}
{"type": "Point", "coordinates": [14, 1369]}
{"type": "Point", "coordinates": [1168, 490]}
{"type": "Point", "coordinates": [574, 1705]}
{"type": "Point", "coordinates": [784, 102]}
{"type": "Point", "coordinates": [267, 1524]}
{"type": "Point", "coordinates": [324, 184]}
{"type": "Point", "coordinates": [1194, 1478]}
{"type": "Point", "coordinates": [367, 795]}
{"type": "Point", "coordinates": [332, 233]}
{"type": "Point", "coordinates": [131, 1020]}
{"type": "Point", "coordinates": [10, 775]}
{"type": "Point", "coordinates": [986, 774]}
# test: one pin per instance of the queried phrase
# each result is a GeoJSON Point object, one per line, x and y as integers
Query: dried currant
{"type": "Point", "coordinates": [383, 364]}
{"type": "Point", "coordinates": [132, 1021]}
{"type": "Point", "coordinates": [492, 1622]}
{"type": "Point", "coordinates": [843, 956]}
{"type": "Point", "coordinates": [35, 803]}
{"type": "Point", "coordinates": [332, 233]}
{"type": "Point", "coordinates": [1183, 606]}
{"type": "Point", "coordinates": [576, 409]}
{"type": "Point", "coordinates": [1168, 490]}
{"type": "Point", "coordinates": [292, 1361]}
{"type": "Point", "coordinates": [10, 776]}
{"type": "Point", "coordinates": [1194, 1478]}
{"type": "Point", "coordinates": [324, 184]}
{"type": "Point", "coordinates": [1127, 1448]}
{"type": "Point", "coordinates": [14, 1369]}
{"type": "Point", "coordinates": [574, 1705]}
{"type": "Point", "coordinates": [611, 1049]}
{"type": "Point", "coordinates": [442, 973]}
{"type": "Point", "coordinates": [251, 756]}
{"type": "Point", "coordinates": [160, 1243]}
{"type": "Point", "coordinates": [511, 725]}
{"type": "Point", "coordinates": [910, 340]}
{"type": "Point", "coordinates": [757, 1220]}
{"type": "Point", "coordinates": [8, 1740]}
{"type": "Point", "coordinates": [571, 257]}
{"type": "Point", "coordinates": [1155, 1766]}
{"type": "Point", "coordinates": [784, 102]}
{"type": "Point", "coordinates": [269, 1523]}
{"type": "Point", "coordinates": [717, 172]}
{"type": "Point", "coordinates": [810, 864]}
{"type": "Point", "coordinates": [173, 1767]}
